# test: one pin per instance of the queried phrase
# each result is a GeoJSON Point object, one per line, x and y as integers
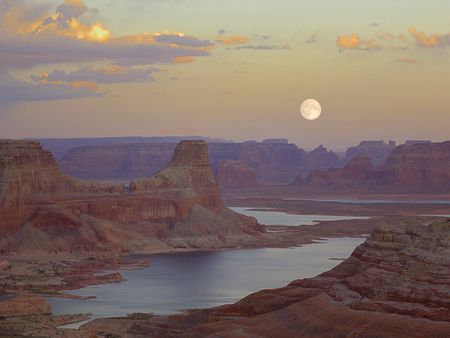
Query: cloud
{"type": "Point", "coordinates": [433, 40]}
{"type": "Point", "coordinates": [221, 32]}
{"type": "Point", "coordinates": [32, 35]}
{"type": "Point", "coordinates": [63, 38]}
{"type": "Point", "coordinates": [13, 90]}
{"type": "Point", "coordinates": [182, 40]}
{"type": "Point", "coordinates": [108, 75]}
{"type": "Point", "coordinates": [25, 51]}
{"type": "Point", "coordinates": [354, 42]}
{"type": "Point", "coordinates": [264, 47]}
{"type": "Point", "coordinates": [65, 21]}
{"type": "Point", "coordinates": [406, 59]}
{"type": "Point", "coordinates": [349, 41]}
{"type": "Point", "coordinates": [233, 40]}
{"type": "Point", "coordinates": [184, 59]}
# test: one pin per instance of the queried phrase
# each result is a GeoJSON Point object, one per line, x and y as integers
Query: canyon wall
{"type": "Point", "coordinates": [42, 208]}
{"type": "Point", "coordinates": [272, 162]}
{"type": "Point", "coordinates": [414, 167]}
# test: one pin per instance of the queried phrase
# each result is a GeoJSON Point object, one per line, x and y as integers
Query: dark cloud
{"type": "Point", "coordinates": [107, 75]}
{"type": "Point", "coordinates": [12, 90]}
{"type": "Point", "coordinates": [65, 12]}
{"type": "Point", "coordinates": [27, 51]}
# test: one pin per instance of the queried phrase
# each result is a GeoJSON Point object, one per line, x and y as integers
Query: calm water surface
{"type": "Point", "coordinates": [204, 279]}
{"type": "Point", "coordinates": [269, 217]}
{"type": "Point", "coordinates": [174, 282]}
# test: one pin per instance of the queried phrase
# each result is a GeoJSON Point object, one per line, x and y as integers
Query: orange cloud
{"type": "Point", "coordinates": [184, 59]}
{"type": "Point", "coordinates": [65, 21]}
{"type": "Point", "coordinates": [349, 41]}
{"type": "Point", "coordinates": [423, 39]}
{"type": "Point", "coordinates": [233, 40]}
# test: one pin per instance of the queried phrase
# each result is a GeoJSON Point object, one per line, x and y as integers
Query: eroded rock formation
{"type": "Point", "coordinates": [42, 209]}
{"type": "Point", "coordinates": [234, 175]}
{"type": "Point", "coordinates": [417, 167]}
{"type": "Point", "coordinates": [396, 284]}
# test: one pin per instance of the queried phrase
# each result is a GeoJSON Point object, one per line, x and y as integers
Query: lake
{"type": "Point", "coordinates": [270, 217]}
{"type": "Point", "coordinates": [201, 279]}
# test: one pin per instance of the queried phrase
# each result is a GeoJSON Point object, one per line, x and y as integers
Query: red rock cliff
{"type": "Point", "coordinates": [181, 200]}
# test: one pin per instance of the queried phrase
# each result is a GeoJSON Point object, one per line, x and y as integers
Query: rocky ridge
{"type": "Point", "coordinates": [396, 284]}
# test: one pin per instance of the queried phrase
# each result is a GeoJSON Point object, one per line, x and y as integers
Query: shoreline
{"type": "Point", "coordinates": [75, 271]}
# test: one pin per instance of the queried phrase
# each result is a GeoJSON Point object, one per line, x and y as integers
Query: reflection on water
{"type": "Point", "coordinates": [279, 218]}
{"type": "Point", "coordinates": [205, 279]}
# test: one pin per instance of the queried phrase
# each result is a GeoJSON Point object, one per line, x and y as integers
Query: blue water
{"type": "Point", "coordinates": [180, 281]}
{"type": "Point", "coordinates": [269, 217]}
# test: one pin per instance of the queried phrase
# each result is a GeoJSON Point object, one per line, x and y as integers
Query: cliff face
{"type": "Point", "coordinates": [39, 204]}
{"type": "Point", "coordinates": [396, 284]}
{"type": "Point", "coordinates": [378, 151]}
{"type": "Point", "coordinates": [419, 165]}
{"type": "Point", "coordinates": [235, 175]}
{"type": "Point", "coordinates": [413, 167]}
{"type": "Point", "coordinates": [355, 173]}
{"type": "Point", "coordinates": [26, 172]}
{"type": "Point", "coordinates": [117, 162]}
{"type": "Point", "coordinates": [188, 176]}
{"type": "Point", "coordinates": [274, 162]}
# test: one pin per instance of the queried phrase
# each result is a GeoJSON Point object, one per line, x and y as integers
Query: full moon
{"type": "Point", "coordinates": [310, 109]}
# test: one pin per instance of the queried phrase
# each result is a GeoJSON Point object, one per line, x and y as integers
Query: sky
{"type": "Point", "coordinates": [224, 68]}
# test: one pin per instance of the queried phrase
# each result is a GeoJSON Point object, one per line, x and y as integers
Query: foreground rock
{"type": "Point", "coordinates": [42, 210]}
{"type": "Point", "coordinates": [396, 284]}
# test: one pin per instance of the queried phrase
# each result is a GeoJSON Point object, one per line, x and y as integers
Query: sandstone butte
{"type": "Point", "coordinates": [396, 284]}
{"type": "Point", "coordinates": [178, 207]}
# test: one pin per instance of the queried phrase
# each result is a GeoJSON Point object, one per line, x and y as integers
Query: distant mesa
{"type": "Point", "coordinates": [378, 151]}
{"type": "Point", "coordinates": [276, 140]}
{"type": "Point", "coordinates": [412, 142]}
{"type": "Point", "coordinates": [414, 167]}
{"type": "Point", "coordinates": [274, 161]}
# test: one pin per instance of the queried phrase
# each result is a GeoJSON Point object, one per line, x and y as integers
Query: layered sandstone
{"type": "Point", "coordinates": [42, 209]}
{"type": "Point", "coordinates": [234, 175]}
{"type": "Point", "coordinates": [355, 173]}
{"type": "Point", "coordinates": [396, 284]}
{"type": "Point", "coordinates": [417, 167]}
{"type": "Point", "coordinates": [378, 151]}
{"type": "Point", "coordinates": [24, 305]}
